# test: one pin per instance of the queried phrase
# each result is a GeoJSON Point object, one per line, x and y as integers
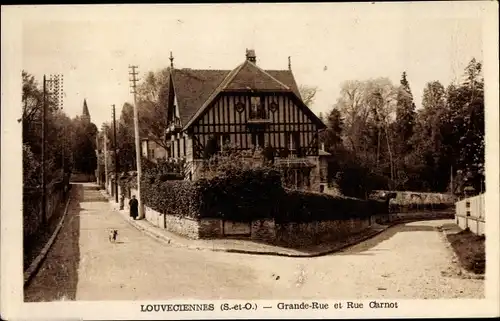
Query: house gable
{"type": "Point", "coordinates": [193, 91]}
{"type": "Point", "coordinates": [192, 88]}
{"type": "Point", "coordinates": [231, 116]}
{"type": "Point", "coordinates": [251, 77]}
{"type": "Point", "coordinates": [248, 77]}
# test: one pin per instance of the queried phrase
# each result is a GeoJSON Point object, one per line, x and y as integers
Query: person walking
{"type": "Point", "coordinates": [134, 207]}
{"type": "Point", "coordinates": [122, 200]}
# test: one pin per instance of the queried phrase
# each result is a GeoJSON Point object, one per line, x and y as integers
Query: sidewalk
{"type": "Point", "coordinates": [242, 246]}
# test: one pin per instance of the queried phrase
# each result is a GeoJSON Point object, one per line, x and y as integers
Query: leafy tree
{"type": "Point", "coordinates": [405, 117]}
{"type": "Point", "coordinates": [84, 146]}
{"type": "Point", "coordinates": [31, 168]}
{"type": "Point", "coordinates": [432, 150]}
{"type": "Point", "coordinates": [126, 138]}
{"type": "Point", "coordinates": [332, 135]}
{"type": "Point", "coordinates": [308, 94]}
{"type": "Point", "coordinates": [57, 127]}
{"type": "Point", "coordinates": [151, 101]}
{"type": "Point", "coordinates": [354, 113]}
{"type": "Point", "coordinates": [465, 123]}
{"type": "Point", "coordinates": [385, 142]}
{"type": "Point", "coordinates": [367, 108]}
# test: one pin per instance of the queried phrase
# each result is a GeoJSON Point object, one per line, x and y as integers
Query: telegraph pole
{"type": "Point", "coordinates": [98, 178]}
{"type": "Point", "coordinates": [133, 86]}
{"type": "Point", "coordinates": [106, 159]}
{"type": "Point", "coordinates": [44, 183]}
{"type": "Point", "coordinates": [116, 155]}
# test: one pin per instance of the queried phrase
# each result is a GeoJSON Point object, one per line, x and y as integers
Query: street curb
{"type": "Point", "coordinates": [462, 272]}
{"type": "Point", "coordinates": [167, 240]}
{"type": "Point", "coordinates": [132, 223]}
{"type": "Point", "coordinates": [164, 239]}
{"type": "Point", "coordinates": [35, 265]}
{"type": "Point", "coordinates": [317, 254]}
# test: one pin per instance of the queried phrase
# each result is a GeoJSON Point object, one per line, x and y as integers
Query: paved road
{"type": "Point", "coordinates": [406, 261]}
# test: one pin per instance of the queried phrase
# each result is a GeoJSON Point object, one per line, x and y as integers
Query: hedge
{"type": "Point", "coordinates": [302, 207]}
{"type": "Point", "coordinates": [234, 196]}
{"type": "Point", "coordinates": [246, 195]}
{"type": "Point", "coordinates": [179, 198]}
{"type": "Point", "coordinates": [243, 195]}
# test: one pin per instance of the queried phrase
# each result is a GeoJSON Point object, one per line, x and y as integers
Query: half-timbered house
{"type": "Point", "coordinates": [249, 107]}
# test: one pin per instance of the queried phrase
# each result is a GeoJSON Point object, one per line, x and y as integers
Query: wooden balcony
{"type": "Point", "coordinates": [294, 162]}
{"type": "Point", "coordinates": [259, 117]}
{"type": "Point", "coordinates": [173, 127]}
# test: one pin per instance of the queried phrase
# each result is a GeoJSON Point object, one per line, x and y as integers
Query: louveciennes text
{"type": "Point", "coordinates": [176, 307]}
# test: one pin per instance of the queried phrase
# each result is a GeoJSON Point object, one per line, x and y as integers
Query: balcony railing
{"type": "Point", "coordinates": [258, 116]}
{"type": "Point", "coordinates": [173, 127]}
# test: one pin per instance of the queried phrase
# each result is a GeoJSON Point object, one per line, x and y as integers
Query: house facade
{"type": "Point", "coordinates": [152, 150]}
{"type": "Point", "coordinates": [248, 107]}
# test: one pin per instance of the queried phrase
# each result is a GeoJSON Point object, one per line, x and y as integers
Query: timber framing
{"type": "Point", "coordinates": [249, 107]}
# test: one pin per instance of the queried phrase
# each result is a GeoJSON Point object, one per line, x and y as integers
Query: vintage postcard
{"type": "Point", "coordinates": [286, 160]}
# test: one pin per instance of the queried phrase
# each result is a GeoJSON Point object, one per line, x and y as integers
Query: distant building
{"type": "Point", "coordinates": [152, 150]}
{"type": "Point", "coordinates": [55, 88]}
{"type": "Point", "coordinates": [85, 112]}
{"type": "Point", "coordinates": [249, 107]}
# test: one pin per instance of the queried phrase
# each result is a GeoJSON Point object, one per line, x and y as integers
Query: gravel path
{"type": "Point", "coordinates": [406, 261]}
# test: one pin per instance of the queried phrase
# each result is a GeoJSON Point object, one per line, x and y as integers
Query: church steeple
{"type": "Point", "coordinates": [85, 112]}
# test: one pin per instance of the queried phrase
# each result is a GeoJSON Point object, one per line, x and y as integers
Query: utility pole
{"type": "Point", "coordinates": [44, 183]}
{"type": "Point", "coordinates": [133, 86]}
{"type": "Point", "coordinates": [116, 155]}
{"type": "Point", "coordinates": [106, 159]}
{"type": "Point", "coordinates": [98, 178]}
{"type": "Point", "coordinates": [451, 180]}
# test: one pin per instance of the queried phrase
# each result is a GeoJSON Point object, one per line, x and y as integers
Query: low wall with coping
{"type": "Point", "coordinates": [407, 198]}
{"type": "Point", "coordinates": [267, 230]}
{"type": "Point", "coordinates": [287, 234]}
{"type": "Point", "coordinates": [412, 216]}
{"type": "Point", "coordinates": [470, 213]}
{"type": "Point", "coordinates": [312, 233]}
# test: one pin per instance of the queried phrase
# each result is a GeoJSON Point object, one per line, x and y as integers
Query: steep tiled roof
{"type": "Point", "coordinates": [249, 76]}
{"type": "Point", "coordinates": [195, 88]}
{"type": "Point", "coordinates": [286, 77]}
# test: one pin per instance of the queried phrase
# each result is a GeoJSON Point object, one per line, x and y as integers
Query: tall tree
{"type": "Point", "coordinates": [354, 113]}
{"type": "Point", "coordinates": [430, 148]}
{"type": "Point", "coordinates": [126, 138]}
{"type": "Point", "coordinates": [152, 101]}
{"type": "Point", "coordinates": [332, 135]}
{"type": "Point", "coordinates": [466, 123]}
{"type": "Point", "coordinates": [56, 135]}
{"type": "Point", "coordinates": [405, 118]}
{"type": "Point", "coordinates": [84, 146]}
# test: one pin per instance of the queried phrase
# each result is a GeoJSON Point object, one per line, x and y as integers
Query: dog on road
{"type": "Point", "coordinates": [113, 234]}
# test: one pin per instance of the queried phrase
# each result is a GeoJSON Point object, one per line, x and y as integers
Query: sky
{"type": "Point", "coordinates": [92, 46]}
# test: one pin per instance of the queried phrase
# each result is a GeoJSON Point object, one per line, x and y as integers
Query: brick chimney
{"type": "Point", "coordinates": [251, 56]}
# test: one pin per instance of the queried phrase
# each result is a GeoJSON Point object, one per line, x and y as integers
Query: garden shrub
{"type": "Point", "coordinates": [235, 196]}
{"type": "Point", "coordinates": [175, 197]}
{"type": "Point", "coordinates": [241, 195]}
{"type": "Point", "coordinates": [249, 194]}
{"type": "Point", "coordinates": [303, 207]}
